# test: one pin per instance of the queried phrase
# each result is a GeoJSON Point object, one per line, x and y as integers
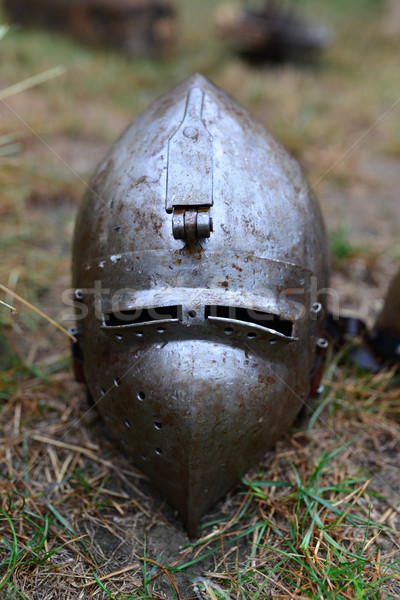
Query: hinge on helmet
{"type": "Point", "coordinates": [190, 173]}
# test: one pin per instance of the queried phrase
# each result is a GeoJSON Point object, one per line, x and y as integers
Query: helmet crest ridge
{"type": "Point", "coordinates": [190, 172]}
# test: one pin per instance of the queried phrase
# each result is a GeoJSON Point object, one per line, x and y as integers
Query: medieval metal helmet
{"type": "Point", "coordinates": [198, 253]}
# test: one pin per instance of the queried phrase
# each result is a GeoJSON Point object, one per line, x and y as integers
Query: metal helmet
{"type": "Point", "coordinates": [197, 248]}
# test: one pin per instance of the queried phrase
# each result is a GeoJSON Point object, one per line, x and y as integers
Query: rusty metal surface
{"type": "Point", "coordinates": [198, 352]}
{"type": "Point", "coordinates": [385, 336]}
{"type": "Point", "coordinates": [134, 27]}
{"type": "Point", "coordinates": [389, 317]}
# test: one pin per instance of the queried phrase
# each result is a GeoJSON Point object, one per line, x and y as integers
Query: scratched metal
{"type": "Point", "coordinates": [197, 396]}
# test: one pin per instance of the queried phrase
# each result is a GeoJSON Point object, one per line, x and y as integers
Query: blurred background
{"type": "Point", "coordinates": [333, 107]}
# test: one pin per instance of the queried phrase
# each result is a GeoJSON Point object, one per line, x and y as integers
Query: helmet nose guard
{"type": "Point", "coordinates": [197, 250]}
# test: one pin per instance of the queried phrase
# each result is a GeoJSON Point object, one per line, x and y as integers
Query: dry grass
{"type": "Point", "coordinates": [319, 518]}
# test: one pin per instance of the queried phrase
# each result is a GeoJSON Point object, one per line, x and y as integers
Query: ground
{"type": "Point", "coordinates": [319, 517]}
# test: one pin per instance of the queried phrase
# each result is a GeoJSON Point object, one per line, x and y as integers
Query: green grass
{"type": "Point", "coordinates": [308, 520]}
{"type": "Point", "coordinates": [306, 517]}
{"type": "Point", "coordinates": [341, 248]}
{"type": "Point", "coordinates": [19, 555]}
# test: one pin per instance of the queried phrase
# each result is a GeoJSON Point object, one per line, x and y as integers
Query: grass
{"type": "Point", "coordinates": [312, 521]}
{"type": "Point", "coordinates": [319, 517]}
{"type": "Point", "coordinates": [341, 248]}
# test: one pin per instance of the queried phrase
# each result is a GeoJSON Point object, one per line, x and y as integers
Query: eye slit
{"type": "Point", "coordinates": [143, 315]}
{"type": "Point", "coordinates": [250, 316]}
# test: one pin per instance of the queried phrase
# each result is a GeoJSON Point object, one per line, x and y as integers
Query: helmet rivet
{"type": "Point", "coordinates": [228, 330]}
{"type": "Point", "coordinates": [251, 335]}
{"type": "Point", "coordinates": [141, 395]}
{"type": "Point", "coordinates": [322, 343]}
{"type": "Point", "coordinates": [158, 451]}
{"type": "Point", "coordinates": [192, 313]}
{"type": "Point", "coordinates": [190, 132]}
{"type": "Point", "coordinates": [157, 424]}
{"type": "Point", "coordinates": [119, 338]}
{"type": "Point", "coordinates": [316, 310]}
{"type": "Point", "coordinates": [127, 423]}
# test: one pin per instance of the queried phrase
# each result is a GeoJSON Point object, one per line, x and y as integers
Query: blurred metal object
{"type": "Point", "coordinates": [200, 342]}
{"type": "Point", "coordinates": [385, 336]}
{"type": "Point", "coordinates": [271, 31]}
{"type": "Point", "coordinates": [376, 349]}
{"type": "Point", "coordinates": [134, 27]}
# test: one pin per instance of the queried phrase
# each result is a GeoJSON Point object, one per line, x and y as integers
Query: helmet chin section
{"type": "Point", "coordinates": [195, 415]}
